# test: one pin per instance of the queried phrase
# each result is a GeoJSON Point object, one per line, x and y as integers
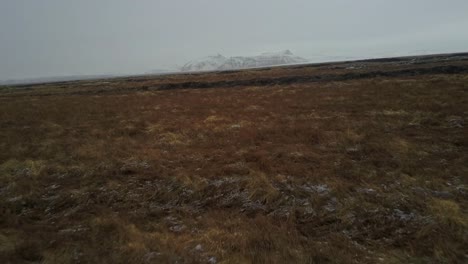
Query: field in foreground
{"type": "Point", "coordinates": [359, 162]}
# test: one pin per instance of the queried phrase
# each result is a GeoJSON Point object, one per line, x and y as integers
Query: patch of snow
{"type": "Point", "coordinates": [321, 189]}
{"type": "Point", "coordinates": [74, 229]}
{"type": "Point", "coordinates": [198, 247]}
{"type": "Point", "coordinates": [212, 260]}
{"type": "Point", "coordinates": [151, 256]}
{"type": "Point", "coordinates": [177, 228]}
{"type": "Point", "coordinates": [15, 199]}
{"type": "Point", "coordinates": [366, 190]}
{"type": "Point", "coordinates": [331, 205]}
{"type": "Point", "coordinates": [402, 215]}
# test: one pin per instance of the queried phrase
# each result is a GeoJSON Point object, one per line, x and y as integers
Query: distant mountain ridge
{"type": "Point", "coordinates": [56, 79]}
{"type": "Point", "coordinates": [220, 63]}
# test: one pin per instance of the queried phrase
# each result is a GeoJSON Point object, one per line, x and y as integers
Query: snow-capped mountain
{"type": "Point", "coordinates": [219, 62]}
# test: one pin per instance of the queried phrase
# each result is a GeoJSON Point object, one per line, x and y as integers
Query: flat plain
{"type": "Point", "coordinates": [350, 162]}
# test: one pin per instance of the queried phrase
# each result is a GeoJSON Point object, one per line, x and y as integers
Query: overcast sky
{"type": "Point", "coordinates": [79, 37]}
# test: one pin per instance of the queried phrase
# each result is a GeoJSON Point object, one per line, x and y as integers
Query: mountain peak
{"type": "Point", "coordinates": [219, 62]}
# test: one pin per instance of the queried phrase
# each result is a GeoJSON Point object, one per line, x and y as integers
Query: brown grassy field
{"type": "Point", "coordinates": [363, 162]}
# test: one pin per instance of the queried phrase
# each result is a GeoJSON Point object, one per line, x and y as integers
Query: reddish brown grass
{"type": "Point", "coordinates": [359, 171]}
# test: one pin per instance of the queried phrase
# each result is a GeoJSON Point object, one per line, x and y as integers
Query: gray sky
{"type": "Point", "coordinates": [70, 37]}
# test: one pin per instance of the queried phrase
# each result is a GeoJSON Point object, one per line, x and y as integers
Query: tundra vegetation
{"type": "Point", "coordinates": [365, 165]}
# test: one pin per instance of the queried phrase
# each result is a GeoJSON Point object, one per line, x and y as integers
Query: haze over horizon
{"type": "Point", "coordinates": [63, 38]}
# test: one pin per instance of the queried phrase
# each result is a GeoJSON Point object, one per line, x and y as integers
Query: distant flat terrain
{"type": "Point", "coordinates": [345, 162]}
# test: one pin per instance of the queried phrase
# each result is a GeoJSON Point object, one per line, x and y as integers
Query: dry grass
{"type": "Point", "coordinates": [358, 171]}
